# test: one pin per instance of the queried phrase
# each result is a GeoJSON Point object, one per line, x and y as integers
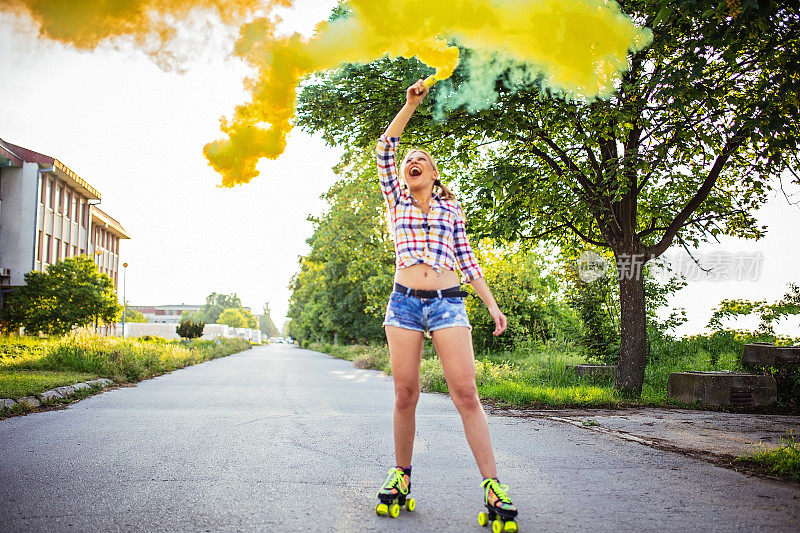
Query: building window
{"type": "Point", "coordinates": [48, 241]}
{"type": "Point", "coordinates": [75, 208]}
{"type": "Point", "coordinates": [39, 246]}
{"type": "Point", "coordinates": [59, 198]}
{"type": "Point", "coordinates": [58, 250]}
{"type": "Point", "coordinates": [68, 207]}
{"type": "Point", "coordinates": [65, 252]}
{"type": "Point", "coordinates": [50, 194]}
{"type": "Point", "coordinates": [74, 250]}
{"type": "Point", "coordinates": [43, 192]}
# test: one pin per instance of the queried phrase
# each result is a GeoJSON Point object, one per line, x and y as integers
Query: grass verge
{"type": "Point", "coordinates": [29, 366]}
{"type": "Point", "coordinates": [782, 461]}
{"type": "Point", "coordinates": [537, 375]}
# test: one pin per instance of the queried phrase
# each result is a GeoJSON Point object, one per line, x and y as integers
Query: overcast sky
{"type": "Point", "coordinates": [136, 134]}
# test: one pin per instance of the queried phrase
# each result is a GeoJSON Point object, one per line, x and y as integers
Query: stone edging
{"type": "Point", "coordinates": [54, 394]}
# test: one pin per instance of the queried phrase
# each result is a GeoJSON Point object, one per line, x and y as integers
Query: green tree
{"type": "Point", "coordinates": [265, 323]}
{"type": "Point", "coordinates": [528, 294]}
{"type": "Point", "coordinates": [233, 317]}
{"type": "Point", "coordinates": [769, 314]}
{"type": "Point", "coordinates": [216, 303]}
{"type": "Point", "coordinates": [189, 329]}
{"type": "Point", "coordinates": [700, 129]}
{"type": "Point", "coordinates": [131, 315]}
{"type": "Point", "coordinates": [71, 293]}
{"type": "Point", "coordinates": [344, 282]}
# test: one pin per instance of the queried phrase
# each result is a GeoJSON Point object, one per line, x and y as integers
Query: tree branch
{"type": "Point", "coordinates": [699, 197]}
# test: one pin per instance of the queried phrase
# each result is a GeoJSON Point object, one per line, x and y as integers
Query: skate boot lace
{"type": "Point", "coordinates": [503, 501]}
{"type": "Point", "coordinates": [395, 482]}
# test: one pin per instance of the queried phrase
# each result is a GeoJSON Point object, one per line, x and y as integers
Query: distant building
{"type": "Point", "coordinates": [165, 314]}
{"type": "Point", "coordinates": [48, 213]}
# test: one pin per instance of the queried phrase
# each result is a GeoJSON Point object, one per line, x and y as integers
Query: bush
{"type": "Point", "coordinates": [189, 329]}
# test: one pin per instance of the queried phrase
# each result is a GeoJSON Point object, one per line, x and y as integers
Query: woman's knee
{"type": "Point", "coordinates": [465, 398]}
{"type": "Point", "coordinates": [405, 397]}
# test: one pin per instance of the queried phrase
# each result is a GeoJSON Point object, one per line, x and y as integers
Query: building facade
{"type": "Point", "coordinates": [165, 314]}
{"type": "Point", "coordinates": [49, 213]}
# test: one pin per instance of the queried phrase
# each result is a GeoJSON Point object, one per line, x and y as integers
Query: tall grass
{"type": "Point", "coordinates": [537, 374]}
{"type": "Point", "coordinates": [120, 359]}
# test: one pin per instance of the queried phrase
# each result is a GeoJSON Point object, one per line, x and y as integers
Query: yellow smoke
{"type": "Point", "coordinates": [579, 46]}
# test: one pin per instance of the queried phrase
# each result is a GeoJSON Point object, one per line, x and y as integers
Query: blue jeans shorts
{"type": "Point", "coordinates": [425, 314]}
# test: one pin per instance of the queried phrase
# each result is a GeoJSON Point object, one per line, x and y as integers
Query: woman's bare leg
{"type": "Point", "coordinates": [454, 346]}
{"type": "Point", "coordinates": [405, 354]}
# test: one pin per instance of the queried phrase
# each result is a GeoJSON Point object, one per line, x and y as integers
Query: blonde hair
{"type": "Point", "coordinates": [444, 192]}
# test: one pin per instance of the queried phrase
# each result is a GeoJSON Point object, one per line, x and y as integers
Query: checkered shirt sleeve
{"type": "Point", "coordinates": [465, 257]}
{"type": "Point", "coordinates": [387, 169]}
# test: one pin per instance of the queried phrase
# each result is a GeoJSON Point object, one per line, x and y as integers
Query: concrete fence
{"type": "Point", "coordinates": [167, 331]}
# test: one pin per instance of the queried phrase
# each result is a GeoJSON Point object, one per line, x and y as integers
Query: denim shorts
{"type": "Point", "coordinates": [425, 314]}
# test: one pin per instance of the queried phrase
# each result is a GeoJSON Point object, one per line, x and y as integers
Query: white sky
{"type": "Point", "coordinates": [136, 134]}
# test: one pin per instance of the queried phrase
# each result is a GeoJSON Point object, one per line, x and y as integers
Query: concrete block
{"type": "Point", "coordinates": [81, 386]}
{"type": "Point", "coordinates": [66, 390]}
{"type": "Point", "coordinates": [761, 354]}
{"type": "Point", "coordinates": [7, 403]}
{"type": "Point", "coordinates": [594, 371]}
{"type": "Point", "coordinates": [722, 388]}
{"type": "Point", "coordinates": [29, 401]}
{"type": "Point", "coordinates": [51, 394]}
{"type": "Point", "coordinates": [101, 382]}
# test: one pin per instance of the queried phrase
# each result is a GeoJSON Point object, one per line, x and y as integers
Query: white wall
{"type": "Point", "coordinates": [18, 219]}
{"type": "Point", "coordinates": [210, 331]}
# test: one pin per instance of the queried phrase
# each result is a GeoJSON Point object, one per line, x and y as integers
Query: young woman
{"type": "Point", "coordinates": [430, 241]}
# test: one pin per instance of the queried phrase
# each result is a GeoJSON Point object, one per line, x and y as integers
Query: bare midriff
{"type": "Point", "coordinates": [421, 276]}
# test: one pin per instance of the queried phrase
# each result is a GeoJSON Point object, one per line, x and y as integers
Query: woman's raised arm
{"type": "Point", "coordinates": [414, 96]}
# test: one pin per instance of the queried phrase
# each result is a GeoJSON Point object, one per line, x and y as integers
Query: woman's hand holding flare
{"type": "Point", "coordinates": [416, 93]}
{"type": "Point", "coordinates": [414, 96]}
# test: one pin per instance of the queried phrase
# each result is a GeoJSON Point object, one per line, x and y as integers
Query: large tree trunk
{"type": "Point", "coordinates": [633, 348]}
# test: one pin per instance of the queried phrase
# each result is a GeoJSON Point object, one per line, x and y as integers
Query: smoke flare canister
{"type": "Point", "coordinates": [429, 81]}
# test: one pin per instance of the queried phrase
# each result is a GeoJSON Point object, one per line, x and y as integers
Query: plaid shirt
{"type": "Point", "coordinates": [438, 239]}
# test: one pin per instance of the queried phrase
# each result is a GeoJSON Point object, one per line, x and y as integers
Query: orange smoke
{"type": "Point", "coordinates": [85, 24]}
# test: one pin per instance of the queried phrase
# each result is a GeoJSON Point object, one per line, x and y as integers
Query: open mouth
{"type": "Point", "coordinates": [414, 171]}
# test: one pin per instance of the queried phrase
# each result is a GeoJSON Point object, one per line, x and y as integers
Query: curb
{"type": "Point", "coordinates": [53, 394]}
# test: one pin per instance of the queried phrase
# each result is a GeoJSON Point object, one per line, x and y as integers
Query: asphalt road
{"type": "Point", "coordinates": [283, 439]}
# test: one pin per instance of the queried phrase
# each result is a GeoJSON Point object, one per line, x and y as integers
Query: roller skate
{"type": "Point", "coordinates": [394, 493]}
{"type": "Point", "coordinates": [501, 512]}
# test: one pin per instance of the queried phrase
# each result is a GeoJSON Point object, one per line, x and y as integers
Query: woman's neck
{"type": "Point", "coordinates": [423, 198]}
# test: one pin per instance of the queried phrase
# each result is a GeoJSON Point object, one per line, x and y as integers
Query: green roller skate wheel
{"type": "Point", "coordinates": [483, 519]}
{"type": "Point", "coordinates": [510, 527]}
{"type": "Point", "coordinates": [394, 510]}
{"type": "Point", "coordinates": [411, 504]}
{"type": "Point", "coordinates": [497, 526]}
{"type": "Point", "coordinates": [382, 509]}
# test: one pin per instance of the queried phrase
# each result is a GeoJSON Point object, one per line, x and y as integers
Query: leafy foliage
{"type": "Point", "coordinates": [216, 304]}
{"type": "Point", "coordinates": [703, 124]}
{"type": "Point", "coordinates": [527, 293]}
{"type": "Point", "coordinates": [265, 323]}
{"type": "Point", "coordinates": [131, 315]}
{"type": "Point", "coordinates": [345, 280]}
{"type": "Point", "coordinates": [768, 314]}
{"type": "Point", "coordinates": [71, 293]}
{"type": "Point", "coordinates": [189, 329]}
